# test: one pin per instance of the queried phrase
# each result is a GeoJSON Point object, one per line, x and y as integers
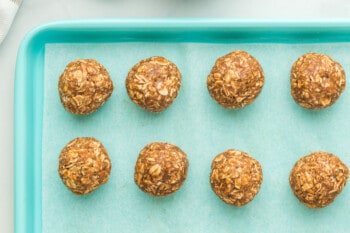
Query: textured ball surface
{"type": "Point", "coordinates": [84, 86]}
{"type": "Point", "coordinates": [317, 81]}
{"type": "Point", "coordinates": [154, 83]}
{"type": "Point", "coordinates": [84, 165]}
{"type": "Point", "coordinates": [161, 169]}
{"type": "Point", "coordinates": [236, 177]}
{"type": "Point", "coordinates": [235, 80]}
{"type": "Point", "coordinates": [316, 179]}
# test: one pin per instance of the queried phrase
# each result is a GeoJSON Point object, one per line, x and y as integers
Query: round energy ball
{"type": "Point", "coordinates": [316, 179]}
{"type": "Point", "coordinates": [316, 81]}
{"type": "Point", "coordinates": [153, 83]}
{"type": "Point", "coordinates": [84, 165]}
{"type": "Point", "coordinates": [236, 177]}
{"type": "Point", "coordinates": [235, 80]}
{"type": "Point", "coordinates": [161, 169]}
{"type": "Point", "coordinates": [84, 86]}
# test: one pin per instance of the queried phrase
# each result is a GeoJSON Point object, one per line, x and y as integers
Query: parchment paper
{"type": "Point", "coordinates": [274, 130]}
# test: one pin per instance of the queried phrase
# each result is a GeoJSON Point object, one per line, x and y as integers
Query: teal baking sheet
{"type": "Point", "coordinates": [274, 129]}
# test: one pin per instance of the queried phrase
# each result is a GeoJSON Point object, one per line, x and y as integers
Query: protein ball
{"type": "Point", "coordinates": [153, 83]}
{"type": "Point", "coordinates": [161, 169]}
{"type": "Point", "coordinates": [316, 179]}
{"type": "Point", "coordinates": [236, 177]}
{"type": "Point", "coordinates": [84, 86]}
{"type": "Point", "coordinates": [84, 165]}
{"type": "Point", "coordinates": [235, 80]}
{"type": "Point", "coordinates": [316, 81]}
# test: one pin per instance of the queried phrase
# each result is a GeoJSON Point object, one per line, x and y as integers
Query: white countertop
{"type": "Point", "coordinates": [35, 12]}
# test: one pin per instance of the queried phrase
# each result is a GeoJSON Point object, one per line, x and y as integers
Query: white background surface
{"type": "Point", "coordinates": [35, 12]}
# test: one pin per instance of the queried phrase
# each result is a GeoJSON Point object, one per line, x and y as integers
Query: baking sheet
{"type": "Point", "coordinates": [273, 129]}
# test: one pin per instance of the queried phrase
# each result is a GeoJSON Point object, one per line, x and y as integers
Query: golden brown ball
{"type": "Point", "coordinates": [153, 83]}
{"type": "Point", "coordinates": [316, 80]}
{"type": "Point", "coordinates": [317, 179]}
{"type": "Point", "coordinates": [84, 165]}
{"type": "Point", "coordinates": [236, 177]}
{"type": "Point", "coordinates": [161, 169]}
{"type": "Point", "coordinates": [235, 80]}
{"type": "Point", "coordinates": [84, 86]}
